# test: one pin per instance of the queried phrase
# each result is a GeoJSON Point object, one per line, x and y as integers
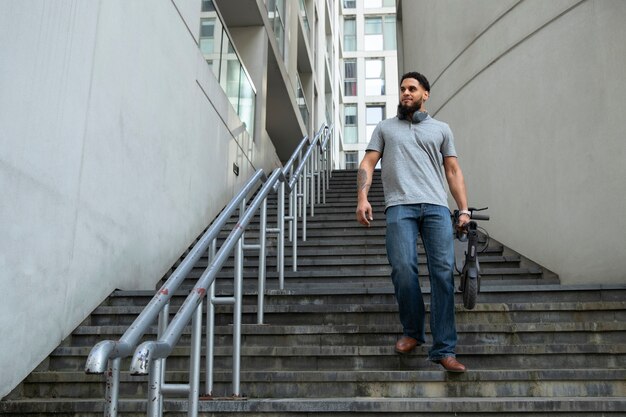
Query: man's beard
{"type": "Point", "coordinates": [405, 111]}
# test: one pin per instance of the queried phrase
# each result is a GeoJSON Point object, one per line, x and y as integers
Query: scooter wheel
{"type": "Point", "coordinates": [470, 292]}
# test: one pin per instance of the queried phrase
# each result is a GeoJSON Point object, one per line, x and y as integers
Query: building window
{"type": "Point", "coordinates": [207, 36]}
{"type": "Point", "coordinates": [373, 33]}
{"type": "Point", "coordinates": [389, 32]}
{"type": "Point", "coordinates": [210, 42]}
{"type": "Point", "coordinates": [302, 104]}
{"type": "Point", "coordinates": [207, 6]}
{"type": "Point", "coordinates": [349, 34]}
{"type": "Point", "coordinates": [349, 4]}
{"type": "Point", "coordinates": [376, 4]}
{"type": "Point", "coordinates": [350, 129]}
{"type": "Point", "coordinates": [380, 33]}
{"type": "Point", "coordinates": [375, 77]}
{"type": "Point", "coordinates": [305, 18]}
{"type": "Point", "coordinates": [219, 53]}
{"type": "Point", "coordinates": [352, 159]}
{"type": "Point", "coordinates": [374, 113]}
{"type": "Point", "coordinates": [349, 77]}
{"type": "Point", "coordinates": [275, 13]}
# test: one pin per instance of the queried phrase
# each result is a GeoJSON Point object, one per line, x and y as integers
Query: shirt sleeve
{"type": "Point", "coordinates": [447, 145]}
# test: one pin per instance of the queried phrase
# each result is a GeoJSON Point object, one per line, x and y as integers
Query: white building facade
{"type": "Point", "coordinates": [369, 73]}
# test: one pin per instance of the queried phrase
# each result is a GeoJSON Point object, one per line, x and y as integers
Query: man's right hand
{"type": "Point", "coordinates": [364, 213]}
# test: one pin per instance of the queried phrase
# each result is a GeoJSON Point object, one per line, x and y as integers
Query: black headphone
{"type": "Point", "coordinates": [418, 116]}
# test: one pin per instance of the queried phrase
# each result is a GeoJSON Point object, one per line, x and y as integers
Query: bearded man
{"type": "Point", "coordinates": [417, 155]}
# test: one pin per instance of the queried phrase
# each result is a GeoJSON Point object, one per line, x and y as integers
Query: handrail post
{"type": "Point", "coordinates": [281, 237]}
{"type": "Point", "coordinates": [157, 373]}
{"type": "Point", "coordinates": [194, 362]}
{"type": "Point", "coordinates": [312, 169]}
{"type": "Point", "coordinates": [294, 243]}
{"type": "Point", "coordinates": [155, 396]}
{"type": "Point", "coordinates": [305, 197]}
{"type": "Point", "coordinates": [237, 317]}
{"type": "Point", "coordinates": [262, 263]}
{"type": "Point", "coordinates": [210, 329]}
{"type": "Point", "coordinates": [318, 173]}
{"type": "Point", "coordinates": [112, 390]}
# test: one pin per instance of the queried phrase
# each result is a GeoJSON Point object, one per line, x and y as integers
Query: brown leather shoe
{"type": "Point", "coordinates": [406, 344]}
{"type": "Point", "coordinates": [452, 365]}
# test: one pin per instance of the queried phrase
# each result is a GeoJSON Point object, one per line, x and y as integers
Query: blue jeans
{"type": "Point", "coordinates": [405, 224]}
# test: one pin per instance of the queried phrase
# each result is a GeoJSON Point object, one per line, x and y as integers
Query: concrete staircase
{"type": "Point", "coordinates": [532, 346]}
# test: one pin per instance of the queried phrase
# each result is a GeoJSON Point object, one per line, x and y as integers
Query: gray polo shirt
{"type": "Point", "coordinates": [412, 160]}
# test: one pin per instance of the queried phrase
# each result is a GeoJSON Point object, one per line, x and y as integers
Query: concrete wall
{"type": "Point", "coordinates": [534, 91]}
{"type": "Point", "coordinates": [116, 150]}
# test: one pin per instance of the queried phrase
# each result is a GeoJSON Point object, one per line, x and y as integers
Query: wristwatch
{"type": "Point", "coordinates": [461, 212]}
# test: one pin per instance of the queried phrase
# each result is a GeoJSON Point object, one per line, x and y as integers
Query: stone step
{"type": "Point", "coordinates": [365, 313]}
{"type": "Point", "coordinates": [362, 358]}
{"type": "Point", "coordinates": [336, 407]}
{"type": "Point", "coordinates": [382, 335]}
{"type": "Point", "coordinates": [346, 384]}
{"type": "Point", "coordinates": [354, 259]}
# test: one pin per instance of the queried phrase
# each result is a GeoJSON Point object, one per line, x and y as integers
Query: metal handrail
{"type": "Point", "coordinates": [149, 358]}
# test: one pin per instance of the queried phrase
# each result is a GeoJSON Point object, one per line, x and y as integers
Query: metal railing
{"type": "Point", "coordinates": [304, 178]}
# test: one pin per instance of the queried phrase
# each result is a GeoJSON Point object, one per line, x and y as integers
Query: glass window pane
{"type": "Point", "coordinates": [350, 68]}
{"type": "Point", "coordinates": [349, 4]}
{"type": "Point", "coordinates": [350, 134]}
{"type": "Point", "coordinates": [375, 76]}
{"type": "Point", "coordinates": [373, 33]}
{"type": "Point", "coordinates": [207, 6]}
{"type": "Point", "coordinates": [207, 27]}
{"type": "Point", "coordinates": [373, 25]}
{"type": "Point", "coordinates": [372, 4]}
{"type": "Point", "coordinates": [349, 35]}
{"type": "Point", "coordinates": [375, 87]}
{"type": "Point", "coordinates": [374, 114]}
{"type": "Point", "coordinates": [222, 58]}
{"type": "Point", "coordinates": [232, 83]}
{"type": "Point", "coordinates": [349, 27]}
{"type": "Point", "coordinates": [389, 34]}
{"type": "Point", "coordinates": [350, 114]}
{"type": "Point", "coordinates": [351, 159]}
{"type": "Point", "coordinates": [350, 88]}
{"type": "Point", "coordinates": [246, 102]}
{"type": "Point", "coordinates": [374, 68]}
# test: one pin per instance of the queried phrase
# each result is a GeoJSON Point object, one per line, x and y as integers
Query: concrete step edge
{"type": "Point", "coordinates": [272, 376]}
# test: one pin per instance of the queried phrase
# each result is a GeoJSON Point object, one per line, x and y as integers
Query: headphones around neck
{"type": "Point", "coordinates": [418, 116]}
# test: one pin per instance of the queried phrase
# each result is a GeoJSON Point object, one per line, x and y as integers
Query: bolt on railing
{"type": "Point", "coordinates": [312, 159]}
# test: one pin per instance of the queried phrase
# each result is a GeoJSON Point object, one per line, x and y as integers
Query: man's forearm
{"type": "Point", "coordinates": [363, 182]}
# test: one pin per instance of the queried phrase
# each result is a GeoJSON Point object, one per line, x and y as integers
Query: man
{"type": "Point", "coordinates": [417, 153]}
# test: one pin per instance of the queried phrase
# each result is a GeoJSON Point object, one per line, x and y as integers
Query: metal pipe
{"type": "Point", "coordinates": [194, 362]}
{"type": "Point", "coordinates": [305, 195]}
{"type": "Point", "coordinates": [157, 373]}
{"type": "Point", "coordinates": [294, 221]}
{"type": "Point", "coordinates": [281, 237]}
{"type": "Point", "coordinates": [237, 318]}
{"type": "Point", "coordinates": [262, 250]}
{"type": "Point", "coordinates": [112, 387]}
{"type": "Point", "coordinates": [312, 182]}
{"type": "Point", "coordinates": [210, 330]}
{"type": "Point", "coordinates": [155, 398]}
{"type": "Point", "coordinates": [175, 389]}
